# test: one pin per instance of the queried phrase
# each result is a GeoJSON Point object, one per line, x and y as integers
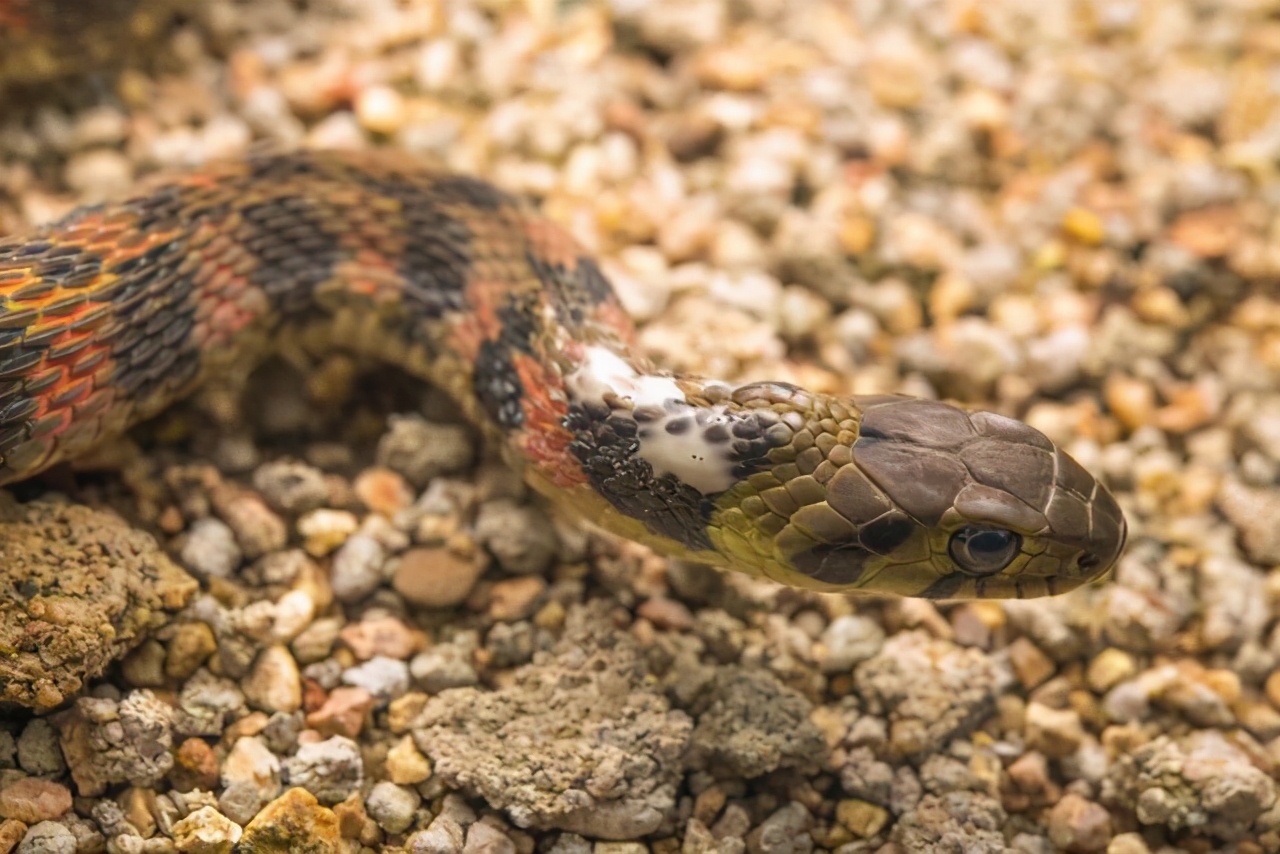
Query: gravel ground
{"type": "Point", "coordinates": [1064, 211]}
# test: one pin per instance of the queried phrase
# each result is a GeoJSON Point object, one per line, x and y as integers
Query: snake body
{"type": "Point", "coordinates": [114, 312]}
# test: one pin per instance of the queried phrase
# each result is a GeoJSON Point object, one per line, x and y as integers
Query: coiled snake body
{"type": "Point", "coordinates": [115, 311]}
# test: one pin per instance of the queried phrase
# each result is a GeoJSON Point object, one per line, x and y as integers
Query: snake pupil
{"type": "Point", "coordinates": [983, 551]}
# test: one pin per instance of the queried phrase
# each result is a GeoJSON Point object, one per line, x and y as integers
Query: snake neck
{"type": "Point", "coordinates": [647, 454]}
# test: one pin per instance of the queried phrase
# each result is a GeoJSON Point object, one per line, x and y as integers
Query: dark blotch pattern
{"type": "Point", "coordinates": [606, 446]}
{"type": "Point", "coordinates": [574, 290]}
{"type": "Point", "coordinates": [296, 247]}
{"type": "Point", "coordinates": [467, 190]}
{"type": "Point", "coordinates": [832, 564]}
{"type": "Point", "coordinates": [497, 385]}
{"type": "Point", "coordinates": [888, 532]}
{"type": "Point", "coordinates": [945, 587]}
{"type": "Point", "coordinates": [437, 259]}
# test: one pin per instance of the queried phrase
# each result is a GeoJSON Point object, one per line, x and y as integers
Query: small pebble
{"type": "Point", "coordinates": [357, 568]}
{"type": "Point", "coordinates": [393, 807]}
{"type": "Point", "coordinates": [211, 550]}
{"type": "Point", "coordinates": [436, 577]}
{"type": "Point", "coordinates": [274, 684]}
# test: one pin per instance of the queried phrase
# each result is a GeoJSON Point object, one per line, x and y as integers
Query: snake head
{"type": "Point", "coordinates": [899, 495]}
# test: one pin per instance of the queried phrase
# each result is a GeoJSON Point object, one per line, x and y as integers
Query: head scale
{"type": "Point", "coordinates": [919, 498]}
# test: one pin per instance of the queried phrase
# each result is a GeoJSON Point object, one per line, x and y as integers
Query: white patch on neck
{"type": "Point", "coordinates": [685, 453]}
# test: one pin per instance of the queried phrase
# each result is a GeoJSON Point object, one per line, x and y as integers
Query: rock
{"type": "Point", "coordinates": [206, 703]}
{"type": "Point", "coordinates": [521, 538]}
{"type": "Point", "coordinates": [47, 837]}
{"type": "Point", "coordinates": [206, 831]}
{"type": "Point", "coordinates": [421, 451]}
{"type": "Point", "coordinates": [751, 724]}
{"type": "Point", "coordinates": [250, 779]}
{"type": "Point", "coordinates": [955, 821]}
{"type": "Point", "coordinates": [1079, 825]}
{"type": "Point", "coordinates": [384, 678]}
{"type": "Point", "coordinates": [343, 712]}
{"type": "Point", "coordinates": [324, 530]}
{"type": "Point", "coordinates": [783, 832]}
{"type": "Point", "coordinates": [195, 766]}
{"type": "Point", "coordinates": [385, 636]}
{"type": "Point", "coordinates": [405, 763]}
{"type": "Point", "coordinates": [11, 833]}
{"type": "Point", "coordinates": [383, 491]}
{"type": "Point", "coordinates": [66, 571]}
{"type": "Point", "coordinates": [392, 807]}
{"type": "Point", "coordinates": [38, 751]}
{"type": "Point", "coordinates": [293, 823]}
{"type": "Point", "coordinates": [31, 800]}
{"type": "Point", "coordinates": [848, 640]}
{"type": "Point", "coordinates": [330, 770]}
{"type": "Point", "coordinates": [357, 568]}
{"type": "Point", "coordinates": [436, 577]}
{"type": "Point", "coordinates": [1201, 781]}
{"type": "Point", "coordinates": [930, 690]}
{"type": "Point", "coordinates": [608, 746]}
{"type": "Point", "coordinates": [291, 487]}
{"type": "Point", "coordinates": [1256, 515]}
{"type": "Point", "coordinates": [274, 684]}
{"type": "Point", "coordinates": [442, 836]}
{"type": "Point", "coordinates": [107, 742]}
{"type": "Point", "coordinates": [1054, 732]}
{"type": "Point", "coordinates": [258, 529]}
{"type": "Point", "coordinates": [211, 550]}
{"type": "Point", "coordinates": [860, 818]}
{"type": "Point", "coordinates": [190, 647]}
{"type": "Point", "coordinates": [515, 598]}
{"type": "Point", "coordinates": [444, 666]}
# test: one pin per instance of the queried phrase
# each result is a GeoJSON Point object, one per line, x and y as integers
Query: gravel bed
{"type": "Point", "coordinates": [1063, 210]}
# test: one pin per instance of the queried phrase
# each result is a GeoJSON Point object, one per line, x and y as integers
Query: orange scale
{"type": "Point", "coordinates": [50, 423]}
{"type": "Point", "coordinates": [93, 404]}
{"type": "Point", "coordinates": [70, 393]}
{"type": "Point", "coordinates": [90, 317]}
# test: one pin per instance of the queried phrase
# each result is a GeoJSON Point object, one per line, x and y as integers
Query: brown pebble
{"type": "Point", "coordinates": [666, 613]}
{"type": "Point", "coordinates": [707, 806]}
{"type": "Point", "coordinates": [436, 577]}
{"type": "Point", "coordinates": [1207, 232]}
{"type": "Point", "coordinates": [406, 766]}
{"type": "Point", "coordinates": [514, 598]}
{"type": "Point", "coordinates": [1132, 401]}
{"type": "Point", "coordinates": [1030, 774]}
{"type": "Point", "coordinates": [862, 819]}
{"type": "Point", "coordinates": [383, 491]}
{"type": "Point", "coordinates": [1079, 825]}
{"type": "Point", "coordinates": [1273, 688]}
{"type": "Point", "coordinates": [31, 800]}
{"type": "Point", "coordinates": [352, 818]}
{"type": "Point", "coordinates": [1055, 732]}
{"type": "Point", "coordinates": [195, 766]}
{"type": "Point", "coordinates": [386, 636]}
{"type": "Point", "coordinates": [11, 833]}
{"type": "Point", "coordinates": [249, 725]}
{"type": "Point", "coordinates": [192, 644]}
{"type": "Point", "coordinates": [342, 713]}
{"type": "Point", "coordinates": [1030, 665]}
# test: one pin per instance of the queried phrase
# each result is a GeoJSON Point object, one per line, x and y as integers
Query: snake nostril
{"type": "Point", "coordinates": [1088, 561]}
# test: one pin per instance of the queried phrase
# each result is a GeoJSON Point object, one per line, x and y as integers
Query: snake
{"type": "Point", "coordinates": [115, 311]}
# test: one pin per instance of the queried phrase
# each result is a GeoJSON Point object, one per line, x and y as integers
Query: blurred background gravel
{"type": "Point", "coordinates": [1064, 211]}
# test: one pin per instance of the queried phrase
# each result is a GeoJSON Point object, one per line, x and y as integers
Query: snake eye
{"type": "Point", "coordinates": [983, 551]}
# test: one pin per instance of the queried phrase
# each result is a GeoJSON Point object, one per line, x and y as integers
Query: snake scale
{"type": "Point", "coordinates": [114, 312]}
